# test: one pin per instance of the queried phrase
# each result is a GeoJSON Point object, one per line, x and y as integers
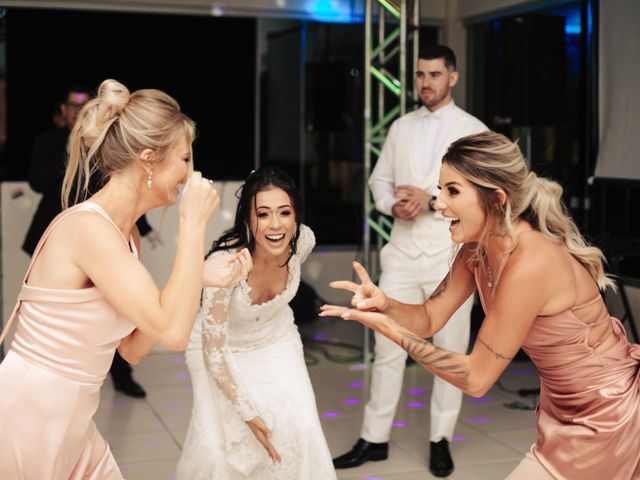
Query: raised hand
{"type": "Point", "coordinates": [262, 433]}
{"type": "Point", "coordinates": [227, 270]}
{"type": "Point", "coordinates": [366, 295]}
{"type": "Point", "coordinates": [199, 200]}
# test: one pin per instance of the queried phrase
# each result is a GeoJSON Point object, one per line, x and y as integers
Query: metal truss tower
{"type": "Point", "coordinates": [391, 39]}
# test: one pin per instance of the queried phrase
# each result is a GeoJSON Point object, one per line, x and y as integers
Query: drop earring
{"type": "Point", "coordinates": [248, 234]}
{"type": "Point", "coordinates": [150, 180]}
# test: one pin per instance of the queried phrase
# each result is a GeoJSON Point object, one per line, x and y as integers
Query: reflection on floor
{"type": "Point", "coordinates": [492, 435]}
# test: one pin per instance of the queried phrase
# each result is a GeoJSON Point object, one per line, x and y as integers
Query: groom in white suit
{"type": "Point", "coordinates": [404, 184]}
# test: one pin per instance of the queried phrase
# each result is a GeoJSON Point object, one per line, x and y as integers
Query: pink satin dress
{"type": "Point", "coordinates": [51, 377]}
{"type": "Point", "coordinates": [588, 424]}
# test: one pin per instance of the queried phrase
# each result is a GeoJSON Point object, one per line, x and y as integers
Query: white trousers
{"type": "Point", "coordinates": [412, 280]}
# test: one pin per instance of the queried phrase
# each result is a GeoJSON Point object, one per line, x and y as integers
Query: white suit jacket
{"type": "Point", "coordinates": [429, 233]}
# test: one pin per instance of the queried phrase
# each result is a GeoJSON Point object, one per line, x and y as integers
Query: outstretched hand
{"type": "Point", "coordinates": [227, 270]}
{"type": "Point", "coordinates": [262, 433]}
{"type": "Point", "coordinates": [366, 295]}
{"type": "Point", "coordinates": [369, 301]}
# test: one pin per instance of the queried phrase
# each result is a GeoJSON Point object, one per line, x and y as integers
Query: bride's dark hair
{"type": "Point", "coordinates": [264, 178]}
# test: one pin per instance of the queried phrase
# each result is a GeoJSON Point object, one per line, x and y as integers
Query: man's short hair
{"type": "Point", "coordinates": [73, 88]}
{"type": "Point", "coordinates": [432, 52]}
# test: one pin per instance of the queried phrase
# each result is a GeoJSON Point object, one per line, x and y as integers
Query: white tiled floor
{"type": "Point", "coordinates": [490, 439]}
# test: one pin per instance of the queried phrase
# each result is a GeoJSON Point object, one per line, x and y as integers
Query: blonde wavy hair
{"type": "Point", "coordinates": [114, 128]}
{"type": "Point", "coordinates": [490, 161]}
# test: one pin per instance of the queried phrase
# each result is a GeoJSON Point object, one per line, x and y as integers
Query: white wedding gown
{"type": "Point", "coordinates": [246, 360]}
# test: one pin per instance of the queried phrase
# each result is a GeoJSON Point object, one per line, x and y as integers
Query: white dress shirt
{"type": "Point", "coordinates": [434, 128]}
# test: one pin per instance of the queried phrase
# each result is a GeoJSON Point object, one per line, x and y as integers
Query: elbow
{"type": "Point", "coordinates": [477, 392]}
{"type": "Point", "coordinates": [133, 359]}
{"type": "Point", "coordinates": [478, 387]}
{"type": "Point", "coordinates": [176, 341]}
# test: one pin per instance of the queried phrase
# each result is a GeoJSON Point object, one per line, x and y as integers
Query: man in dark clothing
{"type": "Point", "coordinates": [46, 174]}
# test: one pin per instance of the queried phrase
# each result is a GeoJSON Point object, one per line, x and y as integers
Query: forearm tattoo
{"type": "Point", "coordinates": [498, 355]}
{"type": "Point", "coordinates": [433, 358]}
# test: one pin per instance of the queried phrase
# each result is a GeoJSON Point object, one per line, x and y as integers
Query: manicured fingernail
{"type": "Point", "coordinates": [346, 315]}
{"type": "Point", "coordinates": [361, 305]}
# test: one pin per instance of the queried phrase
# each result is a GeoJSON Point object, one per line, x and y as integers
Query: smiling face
{"type": "Point", "coordinates": [172, 172]}
{"type": "Point", "coordinates": [272, 222]}
{"type": "Point", "coordinates": [460, 202]}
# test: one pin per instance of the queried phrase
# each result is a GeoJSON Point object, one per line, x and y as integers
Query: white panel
{"type": "Point", "coordinates": [619, 94]}
{"type": "Point", "coordinates": [19, 203]}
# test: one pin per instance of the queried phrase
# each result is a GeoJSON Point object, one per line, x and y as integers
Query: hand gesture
{"type": "Point", "coordinates": [262, 433]}
{"type": "Point", "coordinates": [199, 200]}
{"type": "Point", "coordinates": [366, 295]}
{"type": "Point", "coordinates": [226, 270]}
{"type": "Point", "coordinates": [411, 201]}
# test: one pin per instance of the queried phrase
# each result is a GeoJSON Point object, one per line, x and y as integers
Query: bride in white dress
{"type": "Point", "coordinates": [254, 411]}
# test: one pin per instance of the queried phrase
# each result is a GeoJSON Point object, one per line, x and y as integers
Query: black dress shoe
{"type": "Point", "coordinates": [130, 388]}
{"type": "Point", "coordinates": [362, 452]}
{"type": "Point", "coordinates": [440, 461]}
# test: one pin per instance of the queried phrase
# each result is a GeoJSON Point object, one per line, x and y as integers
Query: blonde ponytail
{"type": "Point", "coordinates": [553, 220]}
{"type": "Point", "coordinates": [491, 161]}
{"type": "Point", "coordinates": [114, 128]}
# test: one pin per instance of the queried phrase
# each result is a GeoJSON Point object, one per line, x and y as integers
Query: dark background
{"type": "Point", "coordinates": [206, 64]}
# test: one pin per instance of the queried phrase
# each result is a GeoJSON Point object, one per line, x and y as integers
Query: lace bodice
{"type": "Point", "coordinates": [228, 321]}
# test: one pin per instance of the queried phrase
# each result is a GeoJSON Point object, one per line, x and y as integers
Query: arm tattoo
{"type": "Point", "coordinates": [433, 358]}
{"type": "Point", "coordinates": [498, 355]}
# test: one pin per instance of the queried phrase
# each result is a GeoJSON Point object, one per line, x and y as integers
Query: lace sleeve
{"type": "Point", "coordinates": [217, 358]}
{"type": "Point", "coordinates": [306, 242]}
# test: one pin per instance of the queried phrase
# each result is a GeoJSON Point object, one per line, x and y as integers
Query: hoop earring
{"type": "Point", "coordinates": [150, 180]}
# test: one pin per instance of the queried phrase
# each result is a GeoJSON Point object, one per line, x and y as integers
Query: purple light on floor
{"type": "Point", "coordinates": [414, 404]}
{"type": "Point", "coordinates": [182, 376]}
{"type": "Point", "coordinates": [151, 445]}
{"type": "Point", "coordinates": [417, 391]}
{"type": "Point", "coordinates": [369, 477]}
{"type": "Point", "coordinates": [352, 401]}
{"type": "Point", "coordinates": [399, 424]}
{"type": "Point", "coordinates": [187, 388]}
{"type": "Point", "coordinates": [478, 419]}
{"type": "Point", "coordinates": [320, 336]}
{"type": "Point", "coordinates": [356, 384]}
{"type": "Point", "coordinates": [178, 359]}
{"type": "Point", "coordinates": [480, 400]}
{"type": "Point", "coordinates": [357, 366]}
{"type": "Point", "coordinates": [458, 438]}
{"type": "Point", "coordinates": [125, 466]}
{"type": "Point", "coordinates": [118, 404]}
{"type": "Point", "coordinates": [331, 414]}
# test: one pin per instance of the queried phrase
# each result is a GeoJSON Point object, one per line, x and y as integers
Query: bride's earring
{"type": "Point", "coordinates": [150, 180]}
{"type": "Point", "coordinates": [248, 233]}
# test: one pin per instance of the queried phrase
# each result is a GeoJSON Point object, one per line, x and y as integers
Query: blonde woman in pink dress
{"type": "Point", "coordinates": [85, 293]}
{"type": "Point", "coordinates": [540, 283]}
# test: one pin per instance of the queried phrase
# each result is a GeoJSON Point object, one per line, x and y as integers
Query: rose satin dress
{"type": "Point", "coordinates": [588, 424]}
{"type": "Point", "coordinates": [51, 377]}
